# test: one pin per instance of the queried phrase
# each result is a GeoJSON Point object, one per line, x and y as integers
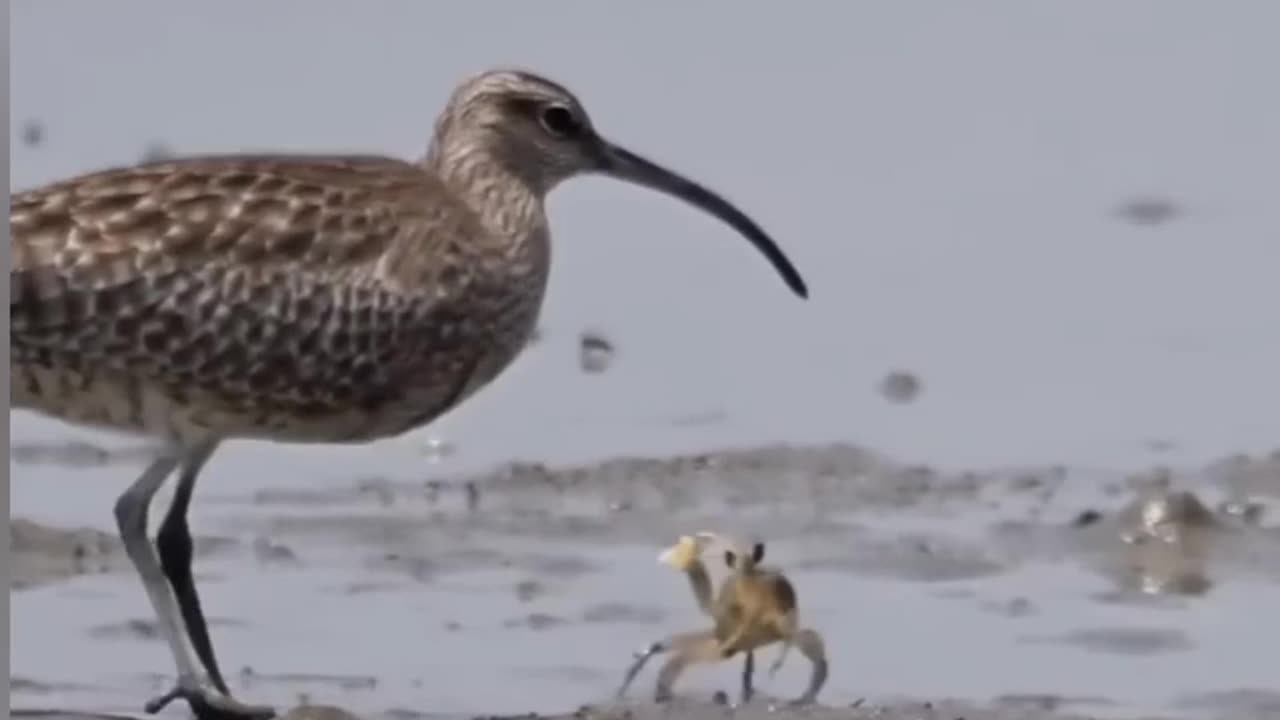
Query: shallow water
{"type": "Point", "coordinates": [382, 596]}
{"type": "Point", "coordinates": [952, 185]}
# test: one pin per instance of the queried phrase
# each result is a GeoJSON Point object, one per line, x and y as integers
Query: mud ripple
{"type": "Point", "coordinates": [1123, 640]}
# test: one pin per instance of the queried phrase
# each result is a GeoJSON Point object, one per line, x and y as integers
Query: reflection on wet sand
{"type": "Point", "coordinates": [1167, 540]}
{"type": "Point", "coordinates": [545, 571]}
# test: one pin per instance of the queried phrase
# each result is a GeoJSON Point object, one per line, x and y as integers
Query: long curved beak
{"type": "Point", "coordinates": [625, 165]}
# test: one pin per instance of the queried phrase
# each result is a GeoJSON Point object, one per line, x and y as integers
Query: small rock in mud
{"type": "Point", "coordinates": [527, 590]}
{"type": "Point", "coordinates": [621, 613]}
{"type": "Point", "coordinates": [1245, 510]}
{"type": "Point", "coordinates": [473, 496]}
{"type": "Point", "coordinates": [32, 133]}
{"type": "Point", "coordinates": [417, 567]}
{"type": "Point", "coordinates": [271, 553]}
{"type": "Point", "coordinates": [535, 621]}
{"type": "Point", "coordinates": [368, 586]}
{"type": "Point", "coordinates": [1086, 518]}
{"type": "Point", "coordinates": [900, 387]}
{"type": "Point", "coordinates": [1166, 516]}
{"type": "Point", "coordinates": [437, 449]}
{"type": "Point", "coordinates": [1013, 608]}
{"type": "Point", "coordinates": [135, 629]}
{"type": "Point", "coordinates": [378, 488]}
{"type": "Point", "coordinates": [1148, 211]}
{"type": "Point", "coordinates": [595, 352]}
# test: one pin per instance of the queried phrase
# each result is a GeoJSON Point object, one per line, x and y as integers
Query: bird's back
{"type": "Point", "coordinates": [298, 297]}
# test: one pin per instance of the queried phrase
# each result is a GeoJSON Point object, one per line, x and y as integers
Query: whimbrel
{"type": "Point", "coordinates": [297, 298]}
{"type": "Point", "coordinates": [755, 607]}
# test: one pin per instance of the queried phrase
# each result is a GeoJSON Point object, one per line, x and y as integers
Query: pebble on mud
{"type": "Point", "coordinates": [437, 449]}
{"type": "Point", "coordinates": [32, 133]}
{"type": "Point", "coordinates": [595, 352]}
{"type": "Point", "coordinates": [535, 621]}
{"type": "Point", "coordinates": [1148, 211]}
{"type": "Point", "coordinates": [1086, 518]}
{"type": "Point", "coordinates": [1245, 510]}
{"type": "Point", "coordinates": [527, 590]}
{"type": "Point", "coordinates": [900, 387]}
{"type": "Point", "coordinates": [268, 552]}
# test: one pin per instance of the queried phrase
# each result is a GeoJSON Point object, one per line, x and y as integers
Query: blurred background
{"type": "Point", "coordinates": [1034, 233]}
{"type": "Point", "coordinates": [1060, 217]}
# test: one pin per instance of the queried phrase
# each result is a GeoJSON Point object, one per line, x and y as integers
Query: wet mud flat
{"type": "Point", "coordinates": [1037, 592]}
{"type": "Point", "coordinates": [1009, 709]}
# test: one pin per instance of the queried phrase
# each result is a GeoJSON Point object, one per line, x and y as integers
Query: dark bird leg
{"type": "Point", "coordinates": [176, 549]}
{"type": "Point", "coordinates": [748, 669]}
{"type": "Point", "coordinates": [131, 518]}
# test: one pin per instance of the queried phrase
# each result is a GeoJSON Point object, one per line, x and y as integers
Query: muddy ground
{"type": "Point", "coordinates": [1027, 593]}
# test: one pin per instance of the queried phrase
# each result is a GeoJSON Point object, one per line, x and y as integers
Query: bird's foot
{"type": "Point", "coordinates": [209, 704]}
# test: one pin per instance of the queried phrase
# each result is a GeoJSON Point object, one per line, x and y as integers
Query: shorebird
{"type": "Point", "coordinates": [297, 298]}
{"type": "Point", "coordinates": [755, 607]}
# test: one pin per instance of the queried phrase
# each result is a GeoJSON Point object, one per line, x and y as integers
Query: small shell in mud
{"type": "Point", "coordinates": [900, 387]}
{"type": "Point", "coordinates": [595, 352]}
{"type": "Point", "coordinates": [1245, 510]}
{"type": "Point", "coordinates": [1148, 211]}
{"type": "Point", "coordinates": [32, 133]}
{"type": "Point", "coordinates": [438, 449]}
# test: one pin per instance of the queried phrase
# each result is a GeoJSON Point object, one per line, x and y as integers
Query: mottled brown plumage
{"type": "Point", "coordinates": [297, 298]}
{"type": "Point", "coordinates": [301, 299]}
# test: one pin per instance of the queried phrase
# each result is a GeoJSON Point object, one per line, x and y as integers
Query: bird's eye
{"type": "Point", "coordinates": [560, 121]}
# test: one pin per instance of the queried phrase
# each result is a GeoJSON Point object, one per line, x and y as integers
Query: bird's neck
{"type": "Point", "coordinates": [511, 207]}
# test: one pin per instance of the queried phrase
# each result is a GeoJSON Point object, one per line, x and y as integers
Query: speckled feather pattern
{"type": "Point", "coordinates": [321, 299]}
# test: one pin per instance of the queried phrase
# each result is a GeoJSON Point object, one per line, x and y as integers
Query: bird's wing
{"type": "Point", "coordinates": [155, 267]}
{"type": "Point", "coordinates": [326, 215]}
